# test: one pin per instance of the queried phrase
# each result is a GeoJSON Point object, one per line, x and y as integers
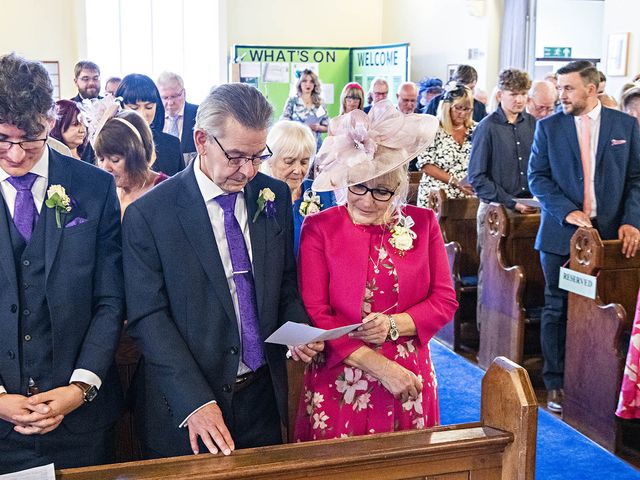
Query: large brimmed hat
{"type": "Point", "coordinates": [362, 147]}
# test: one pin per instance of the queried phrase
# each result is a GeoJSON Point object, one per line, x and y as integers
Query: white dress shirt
{"type": "Point", "coordinates": [39, 191]}
{"type": "Point", "coordinates": [179, 120]}
{"type": "Point", "coordinates": [594, 118]}
{"type": "Point", "coordinates": [209, 191]}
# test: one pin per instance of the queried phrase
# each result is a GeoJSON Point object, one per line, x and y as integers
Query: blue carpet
{"type": "Point", "coordinates": [562, 452]}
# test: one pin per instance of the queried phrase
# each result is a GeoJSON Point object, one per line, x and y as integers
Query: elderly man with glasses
{"type": "Point", "coordinates": [180, 115]}
{"type": "Point", "coordinates": [200, 313]}
{"type": "Point", "coordinates": [541, 100]}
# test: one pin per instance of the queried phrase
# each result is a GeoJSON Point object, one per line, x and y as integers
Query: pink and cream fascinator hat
{"type": "Point", "coordinates": [361, 147]}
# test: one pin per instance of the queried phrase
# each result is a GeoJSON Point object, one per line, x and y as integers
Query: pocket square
{"type": "Point", "coordinates": [618, 142]}
{"type": "Point", "coordinates": [75, 221]}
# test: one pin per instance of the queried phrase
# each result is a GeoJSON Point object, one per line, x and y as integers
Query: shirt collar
{"type": "Point", "coordinates": [208, 189]}
{"type": "Point", "coordinates": [503, 117]}
{"type": "Point", "coordinates": [41, 168]}
{"type": "Point", "coordinates": [594, 114]}
{"type": "Point", "coordinates": [180, 114]}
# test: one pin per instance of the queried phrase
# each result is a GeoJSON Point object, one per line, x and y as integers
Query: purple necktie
{"type": "Point", "coordinates": [25, 214]}
{"type": "Point", "coordinates": [252, 353]}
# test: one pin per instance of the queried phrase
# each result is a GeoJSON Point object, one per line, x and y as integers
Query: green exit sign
{"type": "Point", "coordinates": [557, 52]}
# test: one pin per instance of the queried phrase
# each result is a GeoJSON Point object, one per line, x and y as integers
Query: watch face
{"type": "Point", "coordinates": [90, 394]}
{"type": "Point", "coordinates": [393, 334]}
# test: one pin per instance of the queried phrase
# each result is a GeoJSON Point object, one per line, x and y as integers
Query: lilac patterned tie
{"type": "Point", "coordinates": [25, 214]}
{"type": "Point", "coordinates": [252, 353]}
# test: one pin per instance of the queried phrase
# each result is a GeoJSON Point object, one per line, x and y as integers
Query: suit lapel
{"type": "Point", "coordinates": [571, 133]}
{"type": "Point", "coordinates": [258, 235]}
{"type": "Point", "coordinates": [605, 134]}
{"type": "Point", "coordinates": [7, 262]}
{"type": "Point", "coordinates": [195, 221]}
{"type": "Point", "coordinates": [53, 234]}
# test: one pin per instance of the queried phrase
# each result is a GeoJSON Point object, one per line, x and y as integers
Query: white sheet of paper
{"type": "Point", "coordinates": [46, 472]}
{"type": "Point", "coordinates": [292, 333]}
{"type": "Point", "coordinates": [250, 69]}
{"type": "Point", "coordinates": [529, 202]}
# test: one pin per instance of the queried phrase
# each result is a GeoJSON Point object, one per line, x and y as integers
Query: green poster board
{"type": "Point", "coordinates": [390, 62]}
{"type": "Point", "coordinates": [273, 71]}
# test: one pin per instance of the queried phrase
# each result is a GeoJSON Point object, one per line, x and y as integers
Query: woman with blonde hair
{"type": "Point", "coordinates": [444, 163]}
{"type": "Point", "coordinates": [306, 106]}
{"type": "Point", "coordinates": [294, 146]}
{"type": "Point", "coordinates": [351, 98]}
{"type": "Point", "coordinates": [377, 261]}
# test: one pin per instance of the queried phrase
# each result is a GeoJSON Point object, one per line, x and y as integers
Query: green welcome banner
{"type": "Point", "coordinates": [272, 70]}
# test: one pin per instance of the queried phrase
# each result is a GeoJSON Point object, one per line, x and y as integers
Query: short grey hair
{"type": "Point", "coordinates": [26, 94]}
{"type": "Point", "coordinates": [379, 81]}
{"type": "Point", "coordinates": [239, 101]}
{"type": "Point", "coordinates": [169, 78]}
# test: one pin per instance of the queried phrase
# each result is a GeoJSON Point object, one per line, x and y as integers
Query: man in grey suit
{"type": "Point", "coordinates": [200, 312]}
{"type": "Point", "coordinates": [62, 292]}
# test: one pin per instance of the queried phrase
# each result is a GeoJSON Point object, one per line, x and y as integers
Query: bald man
{"type": "Point", "coordinates": [542, 99]}
{"type": "Point", "coordinates": [407, 96]}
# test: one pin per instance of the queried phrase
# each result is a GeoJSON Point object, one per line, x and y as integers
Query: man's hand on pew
{"type": "Point", "coordinates": [525, 208]}
{"type": "Point", "coordinates": [579, 219]}
{"type": "Point", "coordinates": [630, 237]}
{"type": "Point", "coordinates": [306, 352]}
{"type": "Point", "coordinates": [208, 424]}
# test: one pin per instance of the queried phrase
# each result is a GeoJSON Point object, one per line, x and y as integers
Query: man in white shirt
{"type": "Point", "coordinates": [200, 313]}
{"type": "Point", "coordinates": [62, 288]}
{"type": "Point", "coordinates": [180, 115]}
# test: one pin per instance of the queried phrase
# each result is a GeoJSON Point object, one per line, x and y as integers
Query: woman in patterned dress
{"type": "Point", "coordinates": [444, 163]}
{"type": "Point", "coordinates": [377, 261]}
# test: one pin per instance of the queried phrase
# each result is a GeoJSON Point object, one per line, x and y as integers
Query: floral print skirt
{"type": "Point", "coordinates": [344, 401]}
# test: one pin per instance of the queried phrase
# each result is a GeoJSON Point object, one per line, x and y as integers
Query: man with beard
{"type": "Point", "coordinates": [87, 79]}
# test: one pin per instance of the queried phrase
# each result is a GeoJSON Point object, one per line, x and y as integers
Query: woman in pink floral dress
{"type": "Point", "coordinates": [377, 261]}
{"type": "Point", "coordinates": [629, 402]}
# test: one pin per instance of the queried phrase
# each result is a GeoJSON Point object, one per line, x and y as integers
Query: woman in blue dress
{"type": "Point", "coordinates": [293, 145]}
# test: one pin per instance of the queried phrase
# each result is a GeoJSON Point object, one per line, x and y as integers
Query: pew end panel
{"type": "Point", "coordinates": [598, 337]}
{"type": "Point", "coordinates": [477, 451]}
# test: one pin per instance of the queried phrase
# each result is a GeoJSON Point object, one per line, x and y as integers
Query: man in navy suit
{"type": "Point", "coordinates": [585, 170]}
{"type": "Point", "coordinates": [180, 115]}
{"type": "Point", "coordinates": [200, 312]}
{"type": "Point", "coordinates": [62, 293]}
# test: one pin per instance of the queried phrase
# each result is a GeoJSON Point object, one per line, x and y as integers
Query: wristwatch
{"type": "Point", "coordinates": [89, 392]}
{"type": "Point", "coordinates": [393, 329]}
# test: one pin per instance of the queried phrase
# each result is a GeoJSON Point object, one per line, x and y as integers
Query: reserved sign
{"type": "Point", "coordinates": [578, 283]}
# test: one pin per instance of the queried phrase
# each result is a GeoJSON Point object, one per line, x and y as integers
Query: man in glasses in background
{"type": "Point", "coordinates": [86, 76]}
{"type": "Point", "coordinates": [180, 115]}
{"type": "Point", "coordinates": [379, 91]}
{"type": "Point", "coordinates": [407, 96]}
{"type": "Point", "coordinates": [542, 99]}
{"type": "Point", "coordinates": [200, 313]}
{"type": "Point", "coordinates": [62, 288]}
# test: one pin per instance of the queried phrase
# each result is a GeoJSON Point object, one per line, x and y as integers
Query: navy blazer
{"type": "Point", "coordinates": [84, 291]}
{"type": "Point", "coordinates": [180, 309]}
{"type": "Point", "coordinates": [188, 123]}
{"type": "Point", "coordinates": [556, 177]}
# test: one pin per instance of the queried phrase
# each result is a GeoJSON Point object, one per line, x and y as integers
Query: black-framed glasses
{"type": "Point", "coordinates": [26, 145]}
{"type": "Point", "coordinates": [237, 162]}
{"type": "Point", "coordinates": [380, 194]}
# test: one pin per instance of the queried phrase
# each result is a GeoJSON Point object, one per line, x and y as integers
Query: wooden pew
{"type": "Point", "coordinates": [598, 338]}
{"type": "Point", "coordinates": [499, 447]}
{"type": "Point", "coordinates": [457, 219]}
{"type": "Point", "coordinates": [512, 293]}
{"type": "Point", "coordinates": [414, 182]}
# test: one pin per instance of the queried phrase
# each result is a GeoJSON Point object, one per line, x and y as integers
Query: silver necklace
{"type": "Point", "coordinates": [376, 264]}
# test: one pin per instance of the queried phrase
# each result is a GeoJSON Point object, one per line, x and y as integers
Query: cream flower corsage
{"type": "Point", "coordinates": [266, 204]}
{"type": "Point", "coordinates": [310, 203]}
{"type": "Point", "coordinates": [402, 236]}
{"type": "Point", "coordinates": [58, 199]}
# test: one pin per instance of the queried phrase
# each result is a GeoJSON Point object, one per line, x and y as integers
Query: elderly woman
{"type": "Point", "coordinates": [69, 128]}
{"type": "Point", "coordinates": [307, 107]}
{"type": "Point", "coordinates": [377, 261]}
{"type": "Point", "coordinates": [139, 93]}
{"type": "Point", "coordinates": [351, 98]}
{"type": "Point", "coordinates": [293, 146]}
{"type": "Point", "coordinates": [124, 148]}
{"type": "Point", "coordinates": [444, 163]}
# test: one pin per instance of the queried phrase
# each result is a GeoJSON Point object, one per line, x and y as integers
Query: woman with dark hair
{"type": "Point", "coordinates": [139, 93]}
{"type": "Point", "coordinates": [124, 148]}
{"type": "Point", "coordinates": [307, 107]}
{"type": "Point", "coordinates": [68, 128]}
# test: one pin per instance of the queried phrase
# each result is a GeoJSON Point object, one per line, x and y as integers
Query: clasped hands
{"type": "Point", "coordinates": [629, 234]}
{"type": "Point", "coordinates": [41, 413]}
{"type": "Point", "coordinates": [208, 422]}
